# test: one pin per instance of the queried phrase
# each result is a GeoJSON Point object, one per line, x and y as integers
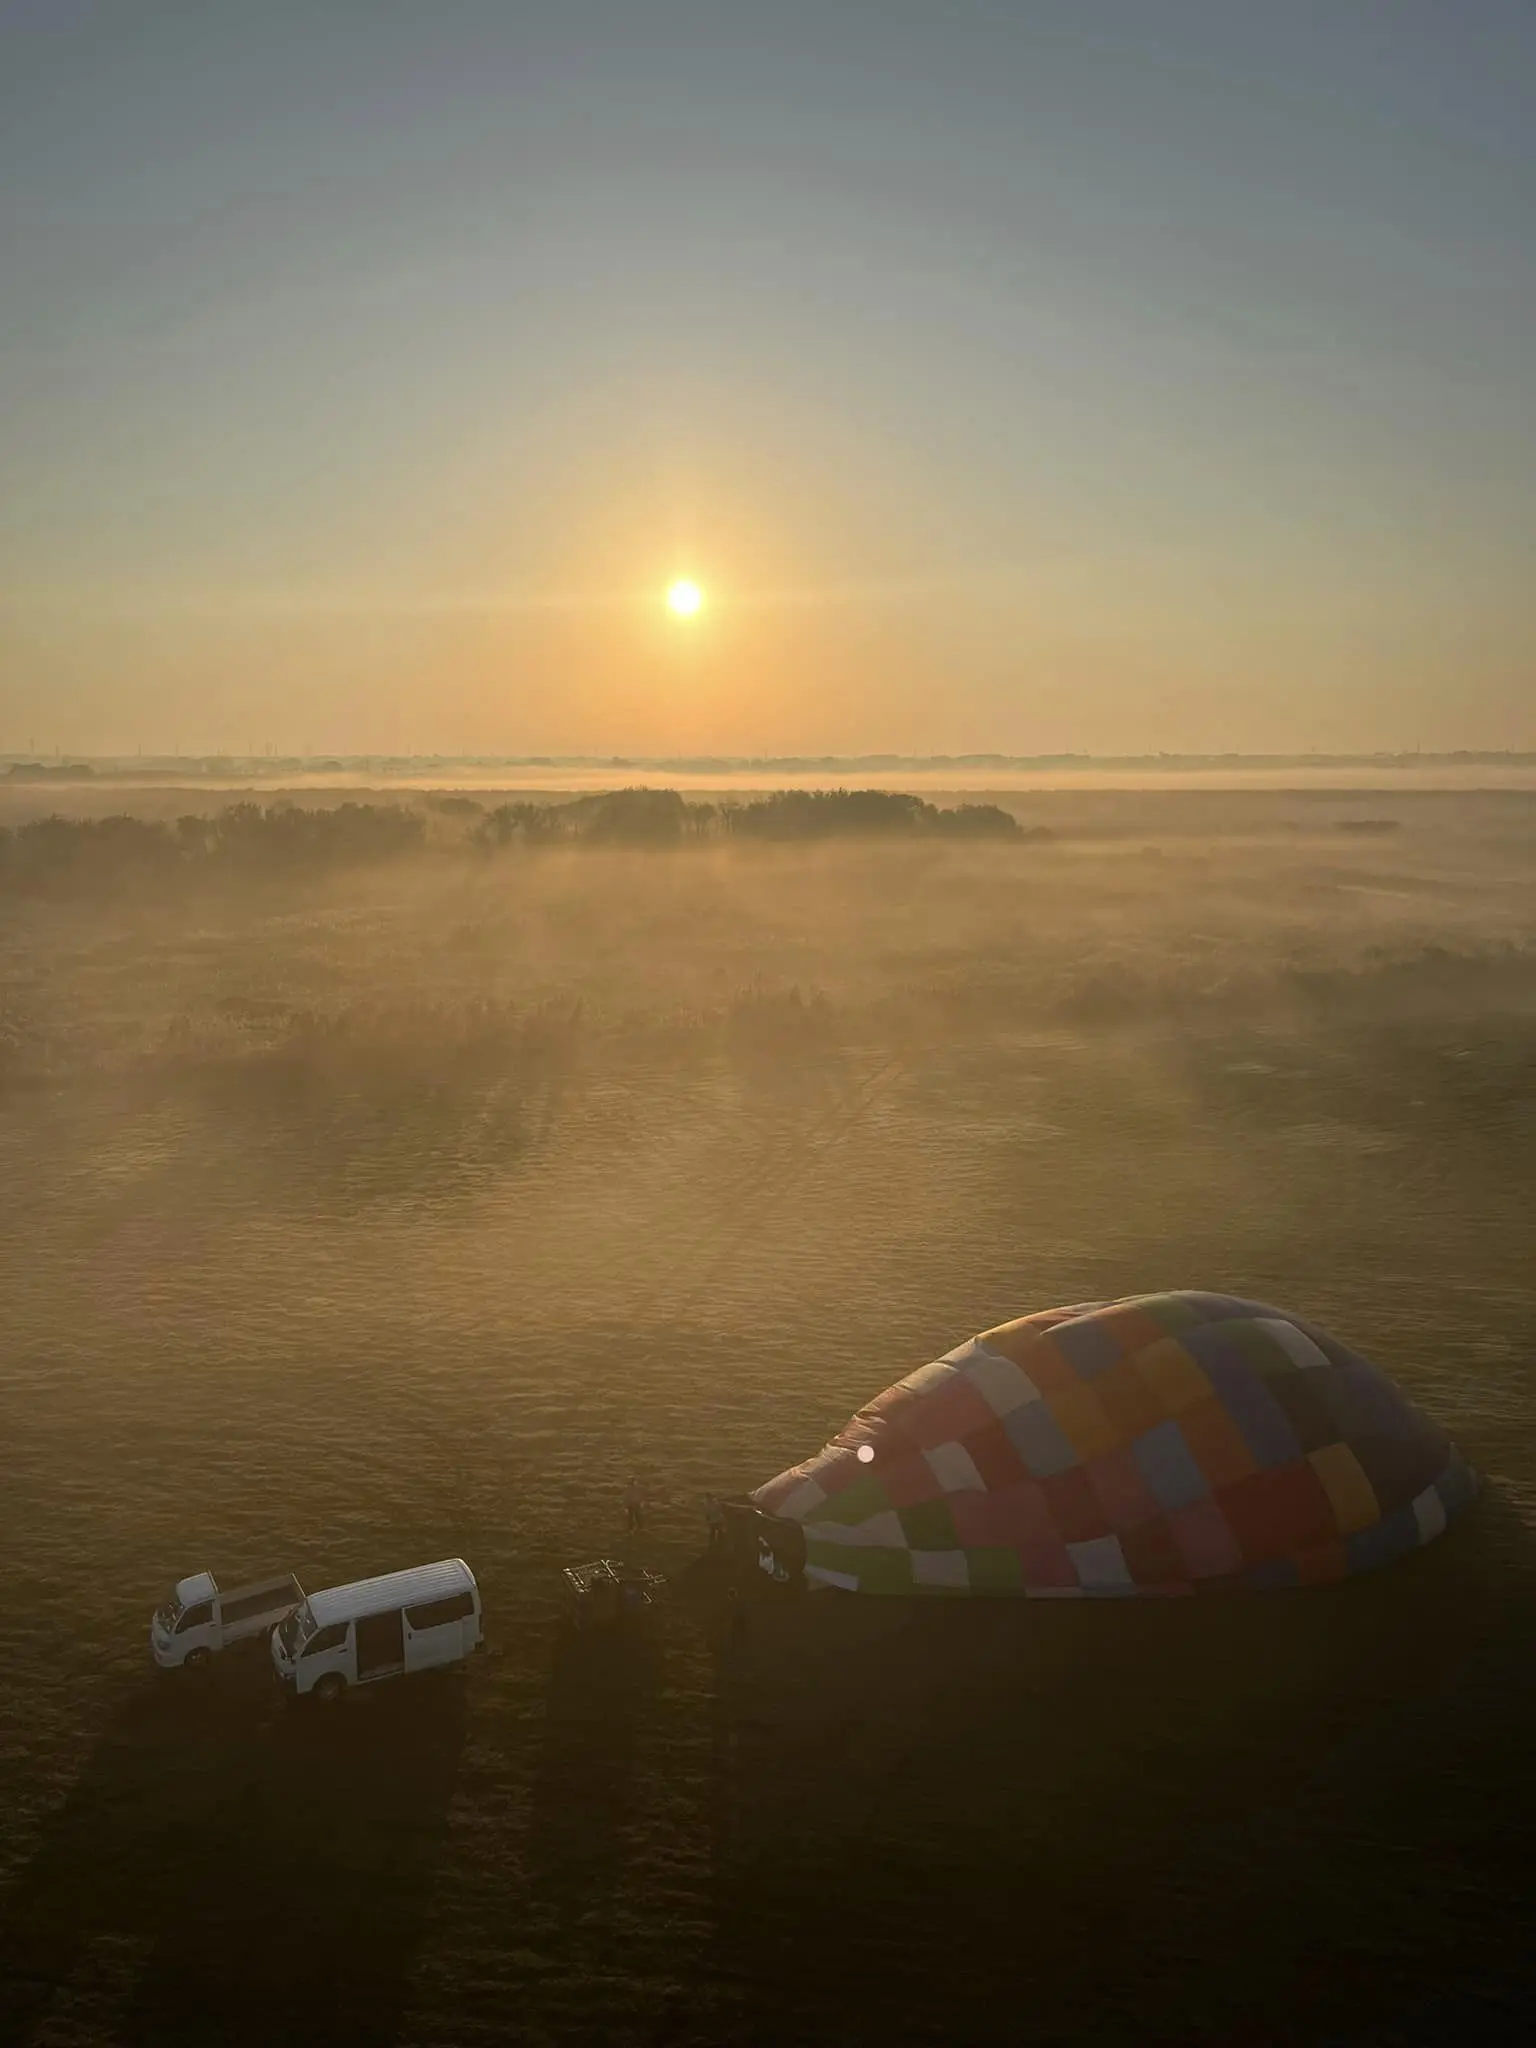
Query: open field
{"type": "Point", "coordinates": [355, 1221]}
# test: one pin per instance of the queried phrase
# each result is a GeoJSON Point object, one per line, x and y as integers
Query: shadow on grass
{"type": "Point", "coordinates": [231, 1868]}
{"type": "Point", "coordinates": [602, 1688]}
{"type": "Point", "coordinates": [1281, 1819]}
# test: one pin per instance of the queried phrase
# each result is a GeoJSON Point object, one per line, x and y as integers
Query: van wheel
{"type": "Point", "coordinates": [330, 1689]}
{"type": "Point", "coordinates": [196, 1659]}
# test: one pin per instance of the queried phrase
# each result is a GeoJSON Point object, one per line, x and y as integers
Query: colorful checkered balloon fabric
{"type": "Point", "coordinates": [1165, 1444]}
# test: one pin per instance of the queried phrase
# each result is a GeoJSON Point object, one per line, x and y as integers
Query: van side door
{"type": "Point", "coordinates": [380, 1645]}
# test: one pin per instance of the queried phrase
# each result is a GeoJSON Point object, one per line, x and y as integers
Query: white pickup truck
{"type": "Point", "coordinates": [199, 1619]}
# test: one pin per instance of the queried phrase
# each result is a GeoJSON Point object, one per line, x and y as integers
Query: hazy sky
{"type": "Point", "coordinates": [1107, 374]}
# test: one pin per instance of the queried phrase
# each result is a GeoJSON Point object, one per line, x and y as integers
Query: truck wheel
{"type": "Point", "coordinates": [196, 1659]}
{"type": "Point", "coordinates": [330, 1689]}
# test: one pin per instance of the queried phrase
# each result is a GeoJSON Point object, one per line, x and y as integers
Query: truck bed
{"type": "Point", "coordinates": [258, 1605]}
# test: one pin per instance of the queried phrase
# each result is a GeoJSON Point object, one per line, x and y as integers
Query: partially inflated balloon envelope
{"type": "Point", "coordinates": [1164, 1444]}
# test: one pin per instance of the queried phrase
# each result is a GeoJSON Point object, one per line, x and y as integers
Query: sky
{"type": "Point", "coordinates": [1105, 375]}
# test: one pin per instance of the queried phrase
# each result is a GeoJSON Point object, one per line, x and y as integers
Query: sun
{"type": "Point", "coordinates": [685, 600]}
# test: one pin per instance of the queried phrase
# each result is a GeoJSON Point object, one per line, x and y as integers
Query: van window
{"type": "Point", "coordinates": [325, 1639]}
{"type": "Point", "coordinates": [457, 1607]}
{"type": "Point", "coordinates": [195, 1617]}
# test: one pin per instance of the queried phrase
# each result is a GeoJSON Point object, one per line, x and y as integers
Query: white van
{"type": "Point", "coordinates": [379, 1628]}
{"type": "Point", "coordinates": [198, 1619]}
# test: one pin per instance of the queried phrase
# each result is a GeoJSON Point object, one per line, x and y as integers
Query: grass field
{"type": "Point", "coordinates": [353, 1223]}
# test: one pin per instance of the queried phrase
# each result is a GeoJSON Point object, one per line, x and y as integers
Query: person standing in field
{"type": "Point", "coordinates": [634, 1507]}
{"type": "Point", "coordinates": [714, 1515]}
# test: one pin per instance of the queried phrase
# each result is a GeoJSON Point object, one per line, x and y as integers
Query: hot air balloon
{"type": "Point", "coordinates": [1162, 1444]}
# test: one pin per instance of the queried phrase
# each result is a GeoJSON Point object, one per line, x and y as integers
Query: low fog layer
{"type": "Point", "coordinates": [256, 939]}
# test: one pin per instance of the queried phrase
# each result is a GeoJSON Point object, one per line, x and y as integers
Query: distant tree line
{"type": "Point", "coordinates": [57, 855]}
{"type": "Point", "coordinates": [661, 817]}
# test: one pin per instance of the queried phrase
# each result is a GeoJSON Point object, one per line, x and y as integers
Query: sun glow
{"type": "Point", "coordinates": [685, 600]}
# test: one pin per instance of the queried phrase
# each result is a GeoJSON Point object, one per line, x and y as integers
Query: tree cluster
{"type": "Point", "coordinates": [661, 817]}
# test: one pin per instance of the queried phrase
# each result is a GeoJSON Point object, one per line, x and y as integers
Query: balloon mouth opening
{"type": "Point", "coordinates": [865, 1454]}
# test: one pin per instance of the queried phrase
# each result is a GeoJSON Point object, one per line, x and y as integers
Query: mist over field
{"type": "Point", "coordinates": [380, 1184]}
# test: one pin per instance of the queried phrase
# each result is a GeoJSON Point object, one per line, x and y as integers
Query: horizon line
{"type": "Point", "coordinates": [60, 761]}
